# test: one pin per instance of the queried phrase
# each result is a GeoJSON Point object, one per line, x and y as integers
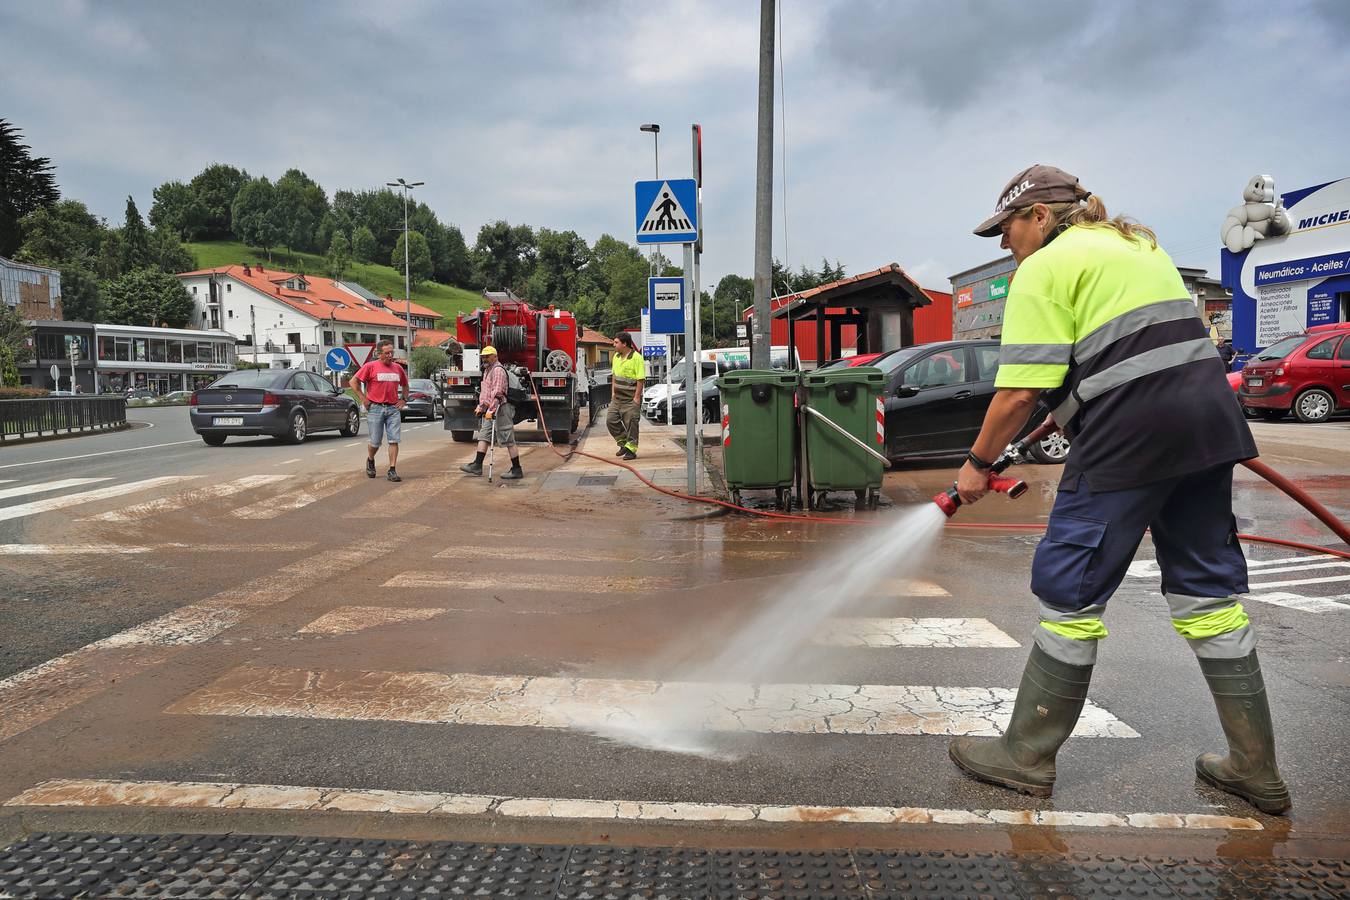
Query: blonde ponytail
{"type": "Point", "coordinates": [1091, 213]}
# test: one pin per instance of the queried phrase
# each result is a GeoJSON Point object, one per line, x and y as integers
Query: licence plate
{"type": "Point", "coordinates": [1254, 382]}
{"type": "Point", "coordinates": [228, 420]}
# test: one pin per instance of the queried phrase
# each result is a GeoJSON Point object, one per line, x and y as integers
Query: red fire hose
{"type": "Point", "coordinates": [997, 483]}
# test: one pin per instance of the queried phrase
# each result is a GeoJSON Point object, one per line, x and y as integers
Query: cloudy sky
{"type": "Point", "coordinates": [901, 119]}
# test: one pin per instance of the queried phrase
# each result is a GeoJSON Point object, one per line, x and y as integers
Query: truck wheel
{"type": "Point", "coordinates": [1314, 405]}
{"type": "Point", "coordinates": [461, 437]}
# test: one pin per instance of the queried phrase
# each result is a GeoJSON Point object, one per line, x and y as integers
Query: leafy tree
{"type": "Point", "coordinates": [427, 360]}
{"type": "Point", "coordinates": [136, 253]}
{"type": "Point", "coordinates": [9, 369]}
{"type": "Point", "coordinates": [419, 258]}
{"type": "Point", "coordinates": [80, 295]}
{"type": "Point", "coordinates": [170, 254]}
{"type": "Point", "coordinates": [62, 233]}
{"type": "Point", "coordinates": [503, 256]}
{"type": "Point", "coordinates": [299, 206]}
{"type": "Point", "coordinates": [458, 265]}
{"type": "Point", "coordinates": [364, 247]}
{"type": "Point", "coordinates": [108, 263]}
{"type": "Point", "coordinates": [614, 287]}
{"type": "Point", "coordinates": [558, 266]}
{"type": "Point", "coordinates": [147, 297]}
{"type": "Point", "coordinates": [339, 255]}
{"type": "Point", "coordinates": [14, 333]}
{"type": "Point", "coordinates": [178, 208]}
{"type": "Point", "coordinates": [215, 187]}
{"type": "Point", "coordinates": [253, 217]}
{"type": "Point", "coordinates": [26, 184]}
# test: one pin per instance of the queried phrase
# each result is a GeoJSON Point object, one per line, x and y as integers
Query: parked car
{"type": "Point", "coordinates": [936, 396]}
{"type": "Point", "coordinates": [424, 399]}
{"type": "Point", "coordinates": [712, 400]}
{"type": "Point", "coordinates": [139, 394]}
{"type": "Point", "coordinates": [176, 397]}
{"type": "Point", "coordinates": [287, 404]}
{"type": "Point", "coordinates": [1307, 373]}
{"type": "Point", "coordinates": [859, 359]}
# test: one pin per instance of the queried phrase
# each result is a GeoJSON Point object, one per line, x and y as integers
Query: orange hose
{"type": "Point", "coordinates": [1260, 469]}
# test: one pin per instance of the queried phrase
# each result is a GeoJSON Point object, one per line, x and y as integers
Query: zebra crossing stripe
{"type": "Point", "coordinates": [179, 501]}
{"type": "Point", "coordinates": [1304, 604]}
{"type": "Point", "coordinates": [44, 487]}
{"type": "Point", "coordinates": [276, 506]}
{"type": "Point", "coordinates": [585, 703]}
{"type": "Point", "coordinates": [91, 793]}
{"type": "Point", "coordinates": [912, 632]}
{"type": "Point", "coordinates": [69, 500]}
{"type": "Point", "coordinates": [524, 581]}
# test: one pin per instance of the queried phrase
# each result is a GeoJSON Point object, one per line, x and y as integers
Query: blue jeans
{"type": "Point", "coordinates": [384, 420]}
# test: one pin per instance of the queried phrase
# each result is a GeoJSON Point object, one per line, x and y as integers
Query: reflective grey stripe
{"type": "Point", "coordinates": [1065, 411]}
{"type": "Point", "coordinates": [1050, 614]}
{"type": "Point", "coordinates": [1035, 354]}
{"type": "Point", "coordinates": [1145, 363]}
{"type": "Point", "coordinates": [1184, 607]}
{"type": "Point", "coordinates": [1128, 323]}
{"type": "Point", "coordinates": [1067, 650]}
{"type": "Point", "coordinates": [1229, 645]}
{"type": "Point", "coordinates": [625, 382]}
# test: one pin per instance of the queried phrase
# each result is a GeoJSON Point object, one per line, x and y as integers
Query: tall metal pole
{"type": "Point", "coordinates": [693, 399]}
{"type": "Point", "coordinates": [407, 271]}
{"type": "Point", "coordinates": [759, 352]}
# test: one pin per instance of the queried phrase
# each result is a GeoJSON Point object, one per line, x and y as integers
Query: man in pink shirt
{"type": "Point", "coordinates": [498, 417]}
{"type": "Point", "coordinates": [385, 392]}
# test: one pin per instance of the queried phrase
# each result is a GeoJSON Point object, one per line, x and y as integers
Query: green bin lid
{"type": "Point", "coordinates": [846, 375]}
{"type": "Point", "coordinates": [757, 376]}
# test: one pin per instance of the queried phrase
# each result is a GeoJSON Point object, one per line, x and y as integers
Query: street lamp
{"type": "Point", "coordinates": [656, 142]}
{"type": "Point", "coordinates": [407, 274]}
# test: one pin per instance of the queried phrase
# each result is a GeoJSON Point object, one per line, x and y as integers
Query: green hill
{"type": "Point", "coordinates": [380, 280]}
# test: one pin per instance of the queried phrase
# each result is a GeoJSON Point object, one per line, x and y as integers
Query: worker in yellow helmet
{"type": "Point", "coordinates": [498, 423]}
{"type": "Point", "coordinates": [628, 374]}
{"type": "Point", "coordinates": [1099, 325]}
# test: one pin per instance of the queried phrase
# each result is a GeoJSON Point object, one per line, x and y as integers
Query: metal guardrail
{"type": "Point", "coordinates": [27, 419]}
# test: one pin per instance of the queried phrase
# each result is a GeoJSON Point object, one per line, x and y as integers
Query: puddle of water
{"type": "Point", "coordinates": [778, 634]}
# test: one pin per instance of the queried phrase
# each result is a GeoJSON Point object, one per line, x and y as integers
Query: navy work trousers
{"type": "Point", "coordinates": [1092, 538]}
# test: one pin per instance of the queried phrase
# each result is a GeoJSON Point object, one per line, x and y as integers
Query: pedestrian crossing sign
{"type": "Point", "coordinates": [667, 211]}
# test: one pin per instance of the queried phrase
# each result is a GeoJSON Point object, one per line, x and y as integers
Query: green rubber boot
{"type": "Point", "coordinates": [1249, 769]}
{"type": "Point", "coordinates": [1049, 700]}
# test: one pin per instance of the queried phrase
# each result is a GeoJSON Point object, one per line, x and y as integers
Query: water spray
{"type": "Point", "coordinates": [949, 501]}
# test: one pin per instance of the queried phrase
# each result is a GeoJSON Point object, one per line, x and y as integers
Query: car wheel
{"type": "Point", "coordinates": [1314, 405]}
{"type": "Point", "coordinates": [1272, 415]}
{"type": "Point", "coordinates": [1052, 450]}
{"type": "Point", "coordinates": [213, 440]}
{"type": "Point", "coordinates": [299, 429]}
{"type": "Point", "coordinates": [353, 424]}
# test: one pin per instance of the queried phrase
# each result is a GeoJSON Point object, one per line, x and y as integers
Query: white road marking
{"type": "Point", "coordinates": [45, 486]}
{"type": "Point", "coordinates": [116, 490]}
{"type": "Point", "coordinates": [194, 496]}
{"type": "Point", "coordinates": [463, 551]}
{"type": "Point", "coordinates": [97, 794]}
{"type": "Point", "coordinates": [287, 462]}
{"type": "Point", "coordinates": [1297, 581]}
{"type": "Point", "coordinates": [1148, 568]}
{"type": "Point", "coordinates": [96, 549]}
{"type": "Point", "coordinates": [38, 462]}
{"type": "Point", "coordinates": [1290, 560]}
{"type": "Point", "coordinates": [326, 452]}
{"type": "Point", "coordinates": [37, 694]}
{"type": "Point", "coordinates": [1304, 604]}
{"type": "Point", "coordinates": [912, 632]}
{"type": "Point", "coordinates": [351, 619]}
{"type": "Point", "coordinates": [399, 502]}
{"type": "Point", "coordinates": [284, 503]}
{"type": "Point", "coordinates": [523, 581]}
{"type": "Point", "coordinates": [567, 703]}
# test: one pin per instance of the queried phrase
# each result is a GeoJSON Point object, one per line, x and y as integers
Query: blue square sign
{"type": "Point", "coordinates": [665, 305]}
{"type": "Point", "coordinates": [667, 211]}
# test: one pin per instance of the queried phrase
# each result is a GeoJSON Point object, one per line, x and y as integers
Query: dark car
{"type": "Point", "coordinates": [139, 394]}
{"type": "Point", "coordinates": [284, 403]}
{"type": "Point", "coordinates": [1308, 373]}
{"type": "Point", "coordinates": [712, 399]}
{"type": "Point", "coordinates": [424, 399]}
{"type": "Point", "coordinates": [936, 396]}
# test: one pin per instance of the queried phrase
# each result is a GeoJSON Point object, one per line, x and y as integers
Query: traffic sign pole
{"type": "Point", "coordinates": [693, 392]}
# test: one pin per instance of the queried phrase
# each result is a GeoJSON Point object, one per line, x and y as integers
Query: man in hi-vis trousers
{"type": "Point", "coordinates": [628, 374]}
{"type": "Point", "coordinates": [1099, 320]}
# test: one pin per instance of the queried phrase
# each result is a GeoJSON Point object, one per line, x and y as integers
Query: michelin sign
{"type": "Point", "coordinates": [1285, 283]}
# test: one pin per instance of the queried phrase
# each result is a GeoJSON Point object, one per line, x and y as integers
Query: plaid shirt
{"type": "Point", "coordinates": [492, 392]}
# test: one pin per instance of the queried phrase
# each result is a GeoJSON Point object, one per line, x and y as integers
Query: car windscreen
{"type": "Point", "coordinates": [892, 361]}
{"type": "Point", "coordinates": [422, 384]}
{"type": "Point", "coordinates": [254, 378]}
{"type": "Point", "coordinates": [1281, 348]}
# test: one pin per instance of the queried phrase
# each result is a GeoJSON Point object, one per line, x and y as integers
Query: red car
{"type": "Point", "coordinates": [1308, 373]}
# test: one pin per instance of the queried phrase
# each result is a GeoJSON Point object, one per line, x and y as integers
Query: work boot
{"type": "Point", "coordinates": [1049, 700]}
{"type": "Point", "coordinates": [622, 450]}
{"type": "Point", "coordinates": [473, 468]}
{"type": "Point", "coordinates": [393, 474]}
{"type": "Point", "coordinates": [627, 454]}
{"type": "Point", "coordinates": [1249, 769]}
{"type": "Point", "coordinates": [514, 474]}
{"type": "Point", "coordinates": [370, 468]}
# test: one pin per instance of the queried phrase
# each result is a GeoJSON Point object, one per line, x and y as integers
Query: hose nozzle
{"type": "Point", "coordinates": [949, 500]}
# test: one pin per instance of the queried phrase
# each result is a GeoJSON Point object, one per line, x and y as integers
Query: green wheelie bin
{"type": "Point", "coordinates": [758, 432]}
{"type": "Point", "coordinates": [843, 400]}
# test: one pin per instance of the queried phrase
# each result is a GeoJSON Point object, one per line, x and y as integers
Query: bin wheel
{"type": "Point", "coordinates": [736, 496]}
{"type": "Point", "coordinates": [860, 499]}
{"type": "Point", "coordinates": [783, 498]}
{"type": "Point", "coordinates": [873, 498]}
{"type": "Point", "coordinates": [817, 499]}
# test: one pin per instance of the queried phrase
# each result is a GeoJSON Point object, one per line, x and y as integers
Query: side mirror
{"type": "Point", "coordinates": [906, 390]}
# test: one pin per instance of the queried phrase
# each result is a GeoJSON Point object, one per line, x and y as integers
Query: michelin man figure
{"type": "Point", "coordinates": [1262, 216]}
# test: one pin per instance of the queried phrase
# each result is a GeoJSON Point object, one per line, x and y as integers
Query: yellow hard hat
{"type": "Point", "coordinates": [489, 350]}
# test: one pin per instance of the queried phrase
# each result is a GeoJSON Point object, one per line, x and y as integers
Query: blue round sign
{"type": "Point", "coordinates": [338, 359]}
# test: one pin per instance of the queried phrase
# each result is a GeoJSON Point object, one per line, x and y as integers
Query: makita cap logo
{"type": "Point", "coordinates": [1013, 195]}
{"type": "Point", "coordinates": [1034, 184]}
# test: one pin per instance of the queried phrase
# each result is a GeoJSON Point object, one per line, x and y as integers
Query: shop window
{"type": "Point", "coordinates": [124, 349]}
{"type": "Point", "coordinates": [107, 348]}
{"type": "Point", "coordinates": [158, 351]}
{"type": "Point", "coordinates": [175, 351]}
{"type": "Point", "coordinates": [190, 353]}
{"type": "Point", "coordinates": [204, 352]}
{"type": "Point", "coordinates": [141, 349]}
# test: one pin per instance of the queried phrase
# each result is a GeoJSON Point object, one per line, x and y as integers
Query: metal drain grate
{"type": "Point", "coordinates": [596, 480]}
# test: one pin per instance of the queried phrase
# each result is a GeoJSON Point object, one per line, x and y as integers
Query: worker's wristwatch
{"type": "Point", "coordinates": [977, 462]}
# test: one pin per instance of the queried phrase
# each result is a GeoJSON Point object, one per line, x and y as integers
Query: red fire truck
{"type": "Point", "coordinates": [539, 349]}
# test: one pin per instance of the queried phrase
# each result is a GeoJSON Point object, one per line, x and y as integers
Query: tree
{"type": "Point", "coordinates": [15, 335]}
{"type": "Point", "coordinates": [9, 370]}
{"type": "Point", "coordinates": [215, 187]}
{"type": "Point", "coordinates": [339, 255]}
{"type": "Point", "coordinates": [170, 254]}
{"type": "Point", "coordinates": [562, 256]}
{"type": "Point", "coordinates": [108, 263]}
{"type": "Point", "coordinates": [136, 252]}
{"type": "Point", "coordinates": [253, 218]}
{"type": "Point", "coordinates": [458, 268]}
{"type": "Point", "coordinates": [147, 297]}
{"type": "Point", "coordinates": [80, 295]}
{"type": "Point", "coordinates": [62, 233]}
{"type": "Point", "coordinates": [178, 208]}
{"type": "Point", "coordinates": [26, 184]}
{"type": "Point", "coordinates": [419, 257]}
{"type": "Point", "coordinates": [363, 245]}
{"type": "Point", "coordinates": [426, 361]}
{"type": "Point", "coordinates": [299, 206]}
{"type": "Point", "coordinates": [504, 256]}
